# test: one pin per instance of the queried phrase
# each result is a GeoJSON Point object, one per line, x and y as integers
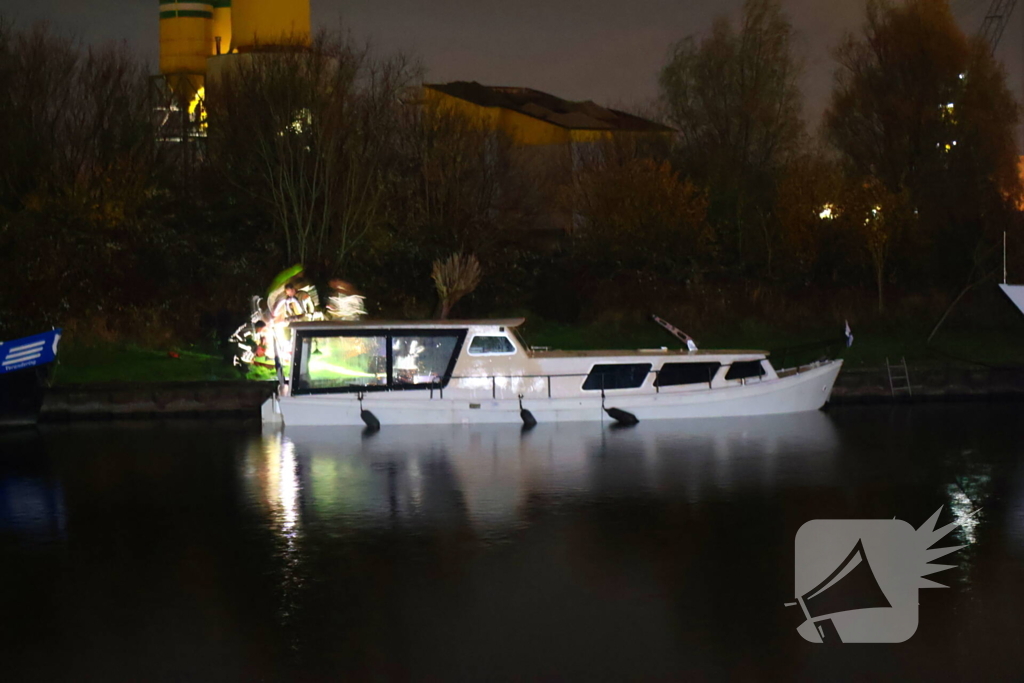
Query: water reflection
{"type": "Point", "coordinates": [31, 498]}
{"type": "Point", "coordinates": [271, 475]}
{"type": "Point", "coordinates": [487, 475]}
{"type": "Point", "coordinates": [663, 552]}
{"type": "Point", "coordinates": [966, 514]}
{"type": "Point", "coordinates": [1013, 518]}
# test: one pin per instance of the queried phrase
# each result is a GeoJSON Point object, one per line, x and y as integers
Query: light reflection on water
{"type": "Point", "coordinates": [488, 473]}
{"type": "Point", "coordinates": [569, 551]}
{"type": "Point", "coordinates": [272, 478]}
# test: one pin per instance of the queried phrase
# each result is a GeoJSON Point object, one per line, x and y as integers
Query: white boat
{"type": "Point", "coordinates": [381, 373]}
{"type": "Point", "coordinates": [1015, 293]}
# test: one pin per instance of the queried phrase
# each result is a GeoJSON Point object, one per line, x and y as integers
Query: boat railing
{"type": "Point", "coordinates": [806, 356]}
{"type": "Point", "coordinates": [494, 381]}
{"type": "Point", "coordinates": [500, 383]}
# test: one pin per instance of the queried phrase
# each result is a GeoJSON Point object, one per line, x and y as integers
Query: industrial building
{"type": "Point", "coordinates": [552, 135]}
{"type": "Point", "coordinates": [194, 33]}
{"type": "Point", "coordinates": [532, 117]}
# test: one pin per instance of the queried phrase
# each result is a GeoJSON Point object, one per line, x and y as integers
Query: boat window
{"type": "Point", "coordinates": [341, 362]}
{"type": "Point", "coordinates": [422, 359]}
{"type": "Point", "coordinates": [624, 376]}
{"type": "Point", "coordinates": [675, 374]}
{"type": "Point", "coordinates": [745, 369]}
{"type": "Point", "coordinates": [488, 345]}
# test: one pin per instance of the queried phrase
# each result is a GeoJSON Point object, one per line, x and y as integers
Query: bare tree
{"type": "Point", "coordinates": [634, 214]}
{"type": "Point", "coordinates": [734, 98]}
{"type": "Point", "coordinates": [310, 134]}
{"type": "Point", "coordinates": [926, 111]}
{"type": "Point", "coordinates": [467, 186]}
{"type": "Point", "coordinates": [77, 127]}
{"type": "Point", "coordinates": [454, 278]}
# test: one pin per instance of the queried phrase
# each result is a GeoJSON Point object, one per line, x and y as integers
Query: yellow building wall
{"type": "Point", "coordinates": [184, 44]}
{"type": "Point", "coordinates": [523, 129]}
{"type": "Point", "coordinates": [221, 26]}
{"type": "Point", "coordinates": [269, 22]}
{"type": "Point", "coordinates": [594, 135]}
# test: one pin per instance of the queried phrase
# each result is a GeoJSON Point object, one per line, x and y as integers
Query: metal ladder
{"type": "Point", "coordinates": [899, 377]}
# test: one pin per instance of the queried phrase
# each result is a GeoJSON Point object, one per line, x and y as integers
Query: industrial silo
{"type": "Point", "coordinates": [186, 37]}
{"type": "Point", "coordinates": [269, 23]}
{"type": "Point", "coordinates": [221, 27]}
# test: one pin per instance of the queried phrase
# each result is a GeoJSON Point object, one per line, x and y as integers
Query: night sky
{"type": "Point", "coordinates": [608, 51]}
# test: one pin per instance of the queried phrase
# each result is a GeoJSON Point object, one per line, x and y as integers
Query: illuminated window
{"type": "Point", "coordinates": [422, 359]}
{"type": "Point", "coordinates": [342, 362]}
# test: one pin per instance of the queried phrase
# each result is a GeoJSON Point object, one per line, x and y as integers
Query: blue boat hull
{"type": "Point", "coordinates": [24, 370]}
{"type": "Point", "coordinates": [21, 396]}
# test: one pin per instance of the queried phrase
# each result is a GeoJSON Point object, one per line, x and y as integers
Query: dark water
{"type": "Point", "coordinates": [212, 551]}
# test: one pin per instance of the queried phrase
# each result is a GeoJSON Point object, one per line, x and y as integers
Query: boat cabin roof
{"type": "Point", "coordinates": [332, 325]}
{"type": "Point", "coordinates": [408, 324]}
{"type": "Point", "coordinates": [752, 354]}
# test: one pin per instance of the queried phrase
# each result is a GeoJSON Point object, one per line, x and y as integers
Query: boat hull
{"type": "Point", "coordinates": [804, 391]}
{"type": "Point", "coordinates": [21, 396]}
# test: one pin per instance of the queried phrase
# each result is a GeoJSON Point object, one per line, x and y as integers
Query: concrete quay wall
{"type": "Point", "coordinates": [158, 399]}
{"type": "Point", "coordinates": [217, 399]}
{"type": "Point", "coordinates": [871, 385]}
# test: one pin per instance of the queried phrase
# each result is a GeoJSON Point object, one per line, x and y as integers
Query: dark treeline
{"type": "Point", "coordinates": [330, 156]}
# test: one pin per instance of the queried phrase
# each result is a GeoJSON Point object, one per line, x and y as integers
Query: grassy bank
{"type": "Point", "coordinates": [84, 364]}
{"type": "Point", "coordinates": [80, 363]}
{"type": "Point", "coordinates": [995, 347]}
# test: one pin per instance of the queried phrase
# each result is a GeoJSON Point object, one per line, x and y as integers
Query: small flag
{"type": "Point", "coordinates": [849, 335]}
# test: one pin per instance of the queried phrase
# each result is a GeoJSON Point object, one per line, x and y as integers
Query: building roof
{"type": "Point", "coordinates": [572, 115]}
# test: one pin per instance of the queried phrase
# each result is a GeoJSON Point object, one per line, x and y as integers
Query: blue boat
{"type": "Point", "coordinates": [24, 369]}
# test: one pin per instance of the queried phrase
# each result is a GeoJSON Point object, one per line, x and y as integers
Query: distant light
{"type": "Point", "coordinates": [874, 214]}
{"type": "Point", "coordinates": [827, 212]}
{"type": "Point", "coordinates": [949, 105]}
{"type": "Point", "coordinates": [962, 76]}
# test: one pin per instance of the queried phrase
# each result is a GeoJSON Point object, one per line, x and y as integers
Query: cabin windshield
{"type": "Point", "coordinates": [341, 362]}
{"type": "Point", "coordinates": [377, 360]}
{"type": "Point", "coordinates": [421, 358]}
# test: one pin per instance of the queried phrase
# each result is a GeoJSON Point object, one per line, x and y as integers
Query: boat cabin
{"type": "Point", "coordinates": [486, 358]}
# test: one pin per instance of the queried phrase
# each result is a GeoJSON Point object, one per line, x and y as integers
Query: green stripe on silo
{"type": "Point", "coordinates": [171, 9]}
{"type": "Point", "coordinates": [186, 5]}
{"type": "Point", "coordinates": [221, 4]}
{"type": "Point", "coordinates": [186, 13]}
